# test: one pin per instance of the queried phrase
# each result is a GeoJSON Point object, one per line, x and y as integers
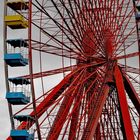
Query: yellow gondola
{"type": "Point", "coordinates": [16, 21]}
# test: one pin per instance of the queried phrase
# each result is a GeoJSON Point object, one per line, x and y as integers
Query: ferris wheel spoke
{"type": "Point", "coordinates": [76, 37]}
{"type": "Point", "coordinates": [104, 17]}
{"type": "Point", "coordinates": [57, 91]}
{"type": "Point", "coordinates": [124, 39]}
{"type": "Point", "coordinates": [60, 70]}
{"type": "Point", "coordinates": [82, 114]}
{"type": "Point", "coordinates": [50, 72]}
{"type": "Point", "coordinates": [109, 15]}
{"type": "Point", "coordinates": [131, 93]}
{"type": "Point", "coordinates": [75, 116]}
{"type": "Point", "coordinates": [113, 114]}
{"type": "Point", "coordinates": [130, 69]}
{"type": "Point", "coordinates": [71, 17]}
{"type": "Point", "coordinates": [92, 122]}
{"type": "Point", "coordinates": [59, 122]}
{"type": "Point", "coordinates": [51, 49]}
{"type": "Point", "coordinates": [126, 48]}
{"type": "Point", "coordinates": [88, 24]}
{"type": "Point", "coordinates": [90, 12]}
{"type": "Point", "coordinates": [121, 42]}
{"type": "Point", "coordinates": [122, 17]}
{"type": "Point", "coordinates": [108, 121]}
{"type": "Point", "coordinates": [44, 46]}
{"type": "Point", "coordinates": [128, 55]}
{"type": "Point", "coordinates": [133, 79]}
{"type": "Point", "coordinates": [98, 22]}
{"type": "Point", "coordinates": [63, 111]}
{"type": "Point", "coordinates": [75, 104]}
{"type": "Point", "coordinates": [56, 39]}
{"type": "Point", "coordinates": [60, 26]}
{"type": "Point", "coordinates": [79, 23]}
{"type": "Point", "coordinates": [65, 54]}
{"type": "Point", "coordinates": [74, 13]}
{"type": "Point", "coordinates": [118, 14]}
{"type": "Point", "coordinates": [79, 99]}
{"type": "Point", "coordinates": [116, 17]}
{"type": "Point", "coordinates": [87, 105]}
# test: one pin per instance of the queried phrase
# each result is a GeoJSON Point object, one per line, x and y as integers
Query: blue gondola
{"type": "Point", "coordinates": [18, 97]}
{"type": "Point", "coordinates": [22, 134]}
{"type": "Point", "coordinates": [16, 59]}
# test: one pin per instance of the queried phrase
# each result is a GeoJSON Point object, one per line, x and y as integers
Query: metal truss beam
{"type": "Point", "coordinates": [95, 115]}
{"type": "Point", "coordinates": [126, 120]}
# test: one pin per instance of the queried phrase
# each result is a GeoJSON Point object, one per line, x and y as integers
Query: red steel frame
{"type": "Point", "coordinates": [93, 100]}
{"type": "Point", "coordinates": [126, 121]}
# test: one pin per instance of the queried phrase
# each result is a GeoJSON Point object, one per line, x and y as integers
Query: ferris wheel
{"type": "Point", "coordinates": [72, 69]}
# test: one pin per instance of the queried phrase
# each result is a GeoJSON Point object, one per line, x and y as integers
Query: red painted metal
{"type": "Point", "coordinates": [133, 95]}
{"type": "Point", "coordinates": [63, 111]}
{"type": "Point", "coordinates": [98, 133]}
{"type": "Point", "coordinates": [94, 116]}
{"type": "Point", "coordinates": [93, 41]}
{"type": "Point", "coordinates": [42, 107]}
{"type": "Point", "coordinates": [127, 124]}
{"type": "Point", "coordinates": [74, 119]}
{"type": "Point", "coordinates": [50, 72]}
{"type": "Point", "coordinates": [130, 69]}
{"type": "Point", "coordinates": [128, 55]}
{"type": "Point", "coordinates": [31, 69]}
